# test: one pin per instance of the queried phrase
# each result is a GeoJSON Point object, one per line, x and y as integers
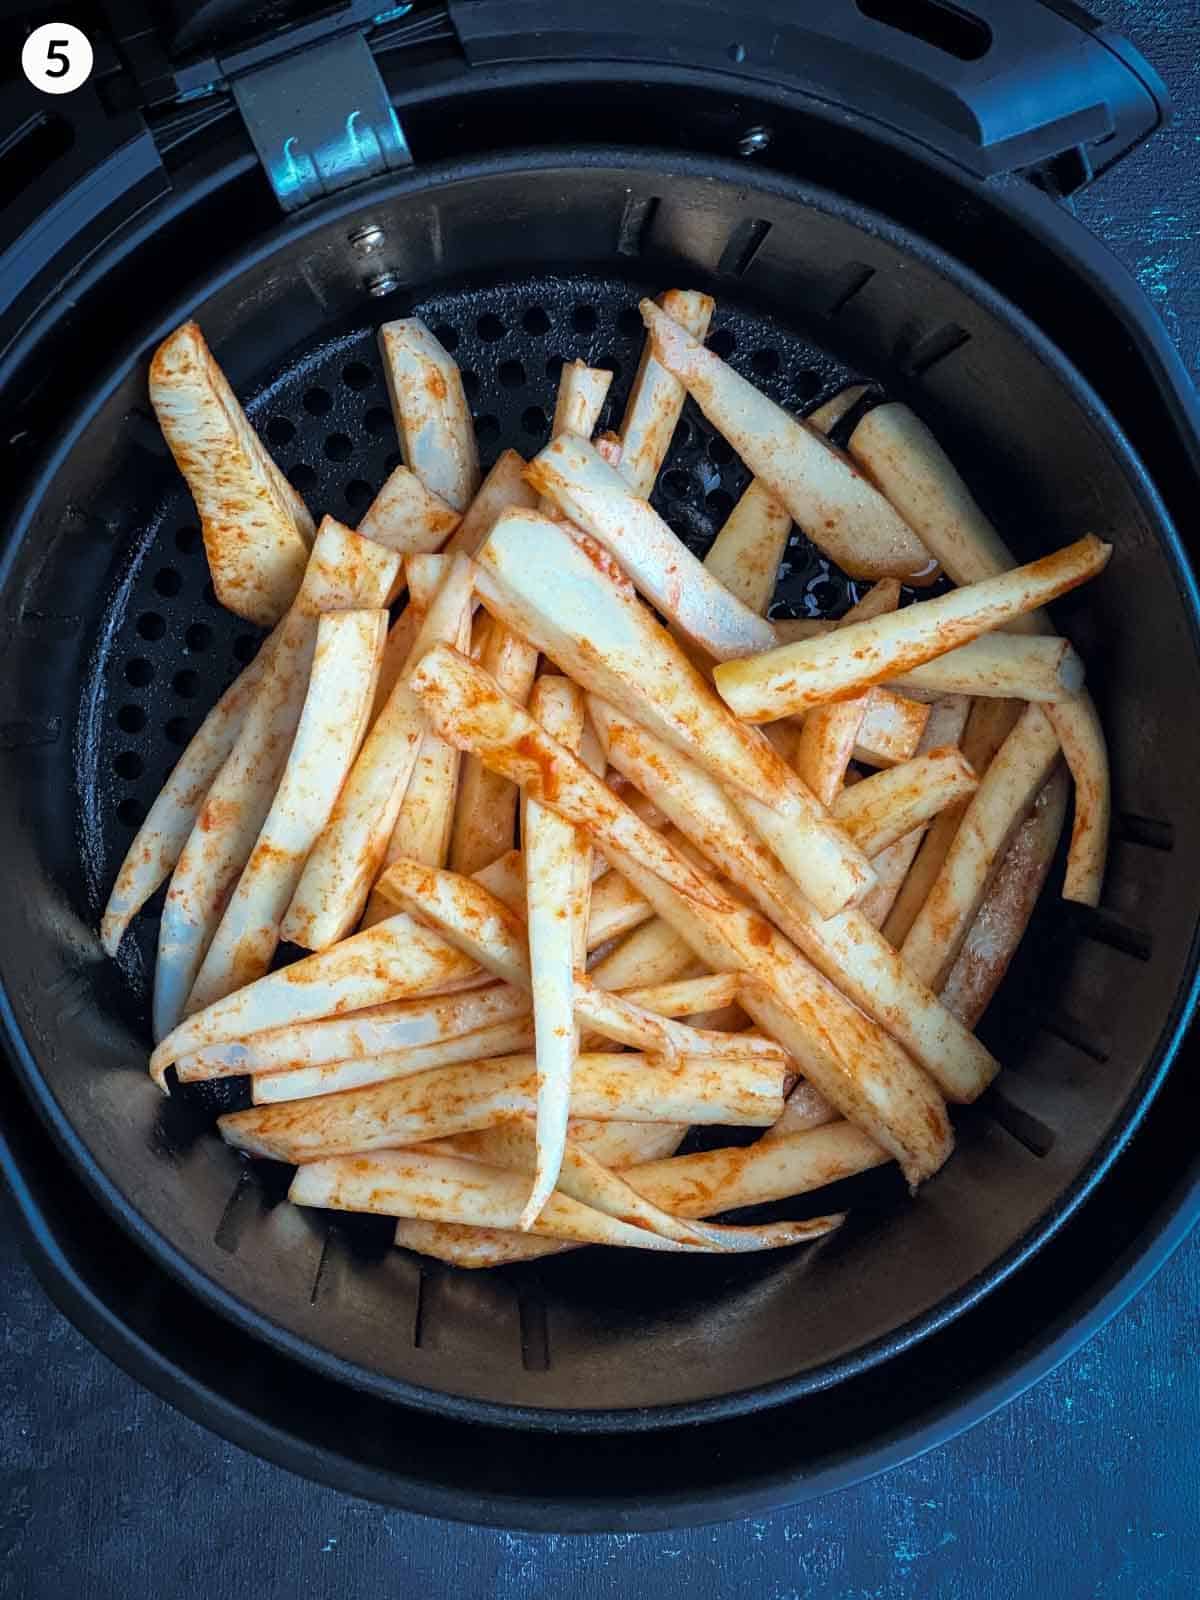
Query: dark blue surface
{"type": "Point", "coordinates": [1086, 1486]}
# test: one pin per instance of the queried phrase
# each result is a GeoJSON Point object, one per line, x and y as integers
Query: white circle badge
{"type": "Point", "coordinates": [57, 58]}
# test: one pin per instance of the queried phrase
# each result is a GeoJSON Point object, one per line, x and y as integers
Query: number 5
{"type": "Point", "coordinates": [56, 53]}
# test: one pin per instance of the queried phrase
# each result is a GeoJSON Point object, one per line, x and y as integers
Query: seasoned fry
{"type": "Point", "coordinates": [581, 615]}
{"type": "Point", "coordinates": [827, 415]}
{"type": "Point", "coordinates": [386, 1029]}
{"type": "Point", "coordinates": [746, 553]}
{"type": "Point", "coordinates": [915, 473]}
{"type": "Point", "coordinates": [793, 677]}
{"type": "Point", "coordinates": [503, 489]}
{"type": "Point", "coordinates": [622, 1019]}
{"type": "Point", "coordinates": [891, 729]}
{"type": "Point", "coordinates": [332, 722]}
{"type": "Point", "coordinates": [1000, 923]}
{"type": "Point", "coordinates": [686, 997]}
{"type": "Point", "coordinates": [486, 811]}
{"type": "Point", "coordinates": [882, 809]}
{"type": "Point", "coordinates": [652, 954]}
{"type": "Point", "coordinates": [994, 814]}
{"type": "Point", "coordinates": [626, 1088]}
{"type": "Point", "coordinates": [432, 417]}
{"type": "Point", "coordinates": [467, 708]}
{"type": "Point", "coordinates": [557, 888]}
{"type": "Point", "coordinates": [257, 530]}
{"type": "Point", "coordinates": [467, 914]}
{"type": "Point", "coordinates": [990, 722]}
{"type": "Point", "coordinates": [408, 517]}
{"type": "Point", "coordinates": [804, 1108]}
{"type": "Point", "coordinates": [391, 961]}
{"type": "Point", "coordinates": [160, 839]}
{"type": "Point", "coordinates": [425, 820]}
{"type": "Point", "coordinates": [846, 948]}
{"type": "Point", "coordinates": [344, 573]}
{"type": "Point", "coordinates": [581, 394]}
{"type": "Point", "coordinates": [345, 860]}
{"type": "Point", "coordinates": [616, 908]}
{"type": "Point", "coordinates": [834, 504]}
{"type": "Point", "coordinates": [577, 479]}
{"type": "Point", "coordinates": [1003, 665]}
{"type": "Point", "coordinates": [656, 398]}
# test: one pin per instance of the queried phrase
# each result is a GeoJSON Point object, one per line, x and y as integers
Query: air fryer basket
{"type": "Point", "coordinates": [115, 648]}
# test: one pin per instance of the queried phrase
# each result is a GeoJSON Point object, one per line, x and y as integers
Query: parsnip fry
{"type": "Point", "coordinates": [503, 489]}
{"type": "Point", "coordinates": [826, 745]}
{"type": "Point", "coordinates": [996, 811]}
{"type": "Point", "coordinates": [257, 530]}
{"type": "Point", "coordinates": [344, 572]}
{"type": "Point", "coordinates": [656, 398]}
{"type": "Point", "coordinates": [617, 907]}
{"type": "Point", "coordinates": [614, 1144]}
{"type": "Point", "coordinates": [833, 503]}
{"type": "Point", "coordinates": [467, 708]}
{"type": "Point", "coordinates": [686, 997]}
{"type": "Point", "coordinates": [385, 1029]}
{"type": "Point", "coordinates": [336, 706]}
{"type": "Point", "coordinates": [459, 1244]}
{"type": "Point", "coordinates": [804, 1108]}
{"type": "Point", "coordinates": [305, 1083]}
{"type": "Point", "coordinates": [577, 479]}
{"type": "Point", "coordinates": [1000, 923]}
{"type": "Point", "coordinates": [160, 839]}
{"type": "Point", "coordinates": [425, 821]}
{"type": "Point", "coordinates": [891, 729]}
{"type": "Point", "coordinates": [345, 860]}
{"type": "Point", "coordinates": [621, 1019]}
{"type": "Point", "coordinates": [827, 415]}
{"type": "Point", "coordinates": [478, 1094]}
{"type": "Point", "coordinates": [652, 954]}
{"type": "Point", "coordinates": [916, 474]}
{"type": "Point", "coordinates": [577, 406]}
{"type": "Point", "coordinates": [408, 517]}
{"type": "Point", "coordinates": [466, 914]}
{"type": "Point", "coordinates": [795, 676]}
{"type": "Point", "coordinates": [883, 808]}
{"type": "Point", "coordinates": [486, 809]}
{"type": "Point", "coordinates": [1004, 665]}
{"type": "Point", "coordinates": [392, 961]}
{"type": "Point", "coordinates": [575, 608]}
{"type": "Point", "coordinates": [432, 417]}
{"type": "Point", "coordinates": [401, 637]}
{"type": "Point", "coordinates": [846, 948]}
{"type": "Point", "coordinates": [746, 553]}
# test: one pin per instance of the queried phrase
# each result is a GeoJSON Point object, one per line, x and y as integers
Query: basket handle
{"type": "Point", "coordinates": [997, 86]}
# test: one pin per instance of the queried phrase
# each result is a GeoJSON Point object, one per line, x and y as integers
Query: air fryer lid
{"type": "Point", "coordinates": [116, 649]}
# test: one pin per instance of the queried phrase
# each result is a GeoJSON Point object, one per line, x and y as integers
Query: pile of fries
{"type": "Point", "coordinates": [565, 897]}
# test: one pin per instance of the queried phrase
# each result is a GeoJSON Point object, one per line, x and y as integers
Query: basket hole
{"type": "Point", "coordinates": [338, 447]}
{"type": "Point", "coordinates": [128, 765]}
{"type": "Point", "coordinates": [765, 363]}
{"type": "Point", "coordinates": [945, 27]}
{"type": "Point", "coordinates": [720, 503]}
{"type": "Point", "coordinates": [245, 648]}
{"type": "Point", "coordinates": [470, 383]}
{"type": "Point", "coordinates": [554, 367]}
{"type": "Point", "coordinates": [682, 437]}
{"type": "Point", "coordinates": [806, 386]}
{"type": "Point", "coordinates": [629, 322]}
{"type": "Point", "coordinates": [358, 494]}
{"type": "Point", "coordinates": [280, 431]}
{"type": "Point", "coordinates": [151, 626]}
{"type": "Point", "coordinates": [583, 319]}
{"type": "Point", "coordinates": [357, 375]}
{"type": "Point", "coordinates": [487, 428]}
{"type": "Point", "coordinates": [511, 374]}
{"type": "Point", "coordinates": [823, 593]}
{"type": "Point", "coordinates": [129, 813]}
{"type": "Point", "coordinates": [198, 637]}
{"type": "Point", "coordinates": [317, 402]}
{"type": "Point", "coordinates": [186, 683]}
{"type": "Point", "coordinates": [302, 476]}
{"type": "Point", "coordinates": [676, 483]}
{"type": "Point", "coordinates": [723, 343]}
{"type": "Point", "coordinates": [392, 460]}
{"type": "Point", "coordinates": [378, 421]}
{"type": "Point", "coordinates": [131, 719]}
{"type": "Point", "coordinates": [139, 672]}
{"type": "Point", "coordinates": [187, 540]}
{"type": "Point", "coordinates": [536, 322]}
{"type": "Point", "coordinates": [447, 337]}
{"type": "Point", "coordinates": [490, 328]}
{"type": "Point", "coordinates": [177, 730]}
{"type": "Point", "coordinates": [609, 363]}
{"type": "Point", "coordinates": [210, 597]}
{"type": "Point", "coordinates": [535, 422]}
{"type": "Point", "coordinates": [720, 451]}
{"type": "Point", "coordinates": [167, 582]}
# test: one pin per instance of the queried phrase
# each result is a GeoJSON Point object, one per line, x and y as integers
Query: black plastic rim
{"type": "Point", "coordinates": [667, 1416]}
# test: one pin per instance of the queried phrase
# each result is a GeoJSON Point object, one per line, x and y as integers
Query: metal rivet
{"type": "Point", "coordinates": [382, 284]}
{"type": "Point", "coordinates": [367, 239]}
{"type": "Point", "coordinates": [754, 140]}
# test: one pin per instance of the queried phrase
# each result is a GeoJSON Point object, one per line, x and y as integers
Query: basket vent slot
{"type": "Point", "coordinates": [953, 32]}
{"type": "Point", "coordinates": [742, 246]}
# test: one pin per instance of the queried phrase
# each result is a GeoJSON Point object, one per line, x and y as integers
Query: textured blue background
{"type": "Point", "coordinates": [1086, 1486]}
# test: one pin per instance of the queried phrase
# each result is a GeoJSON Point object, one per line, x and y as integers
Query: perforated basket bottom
{"type": "Point", "coordinates": [169, 649]}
